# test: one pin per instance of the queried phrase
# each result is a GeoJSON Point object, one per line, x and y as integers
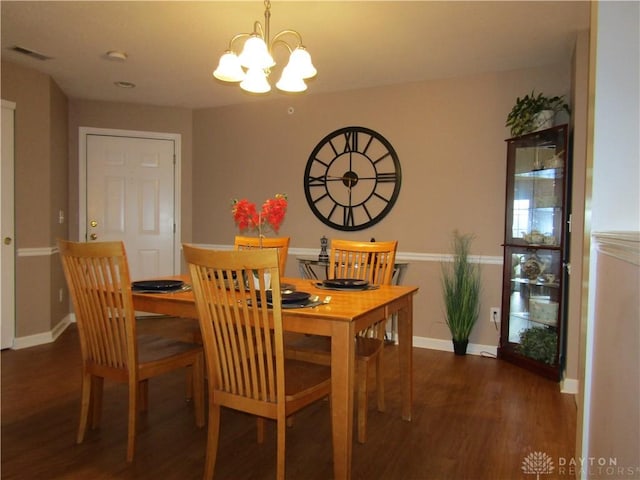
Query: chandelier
{"type": "Point", "coordinates": [253, 65]}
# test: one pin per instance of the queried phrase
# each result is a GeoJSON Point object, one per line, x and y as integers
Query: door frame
{"type": "Point", "coordinates": [84, 133]}
{"type": "Point", "coordinates": [8, 265]}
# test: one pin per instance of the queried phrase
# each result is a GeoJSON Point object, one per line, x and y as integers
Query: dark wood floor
{"type": "Point", "coordinates": [473, 418]}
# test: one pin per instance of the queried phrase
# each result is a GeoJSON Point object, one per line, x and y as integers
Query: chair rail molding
{"type": "Point", "coordinates": [400, 256]}
{"type": "Point", "coordinates": [624, 246]}
{"type": "Point", "coordinates": [36, 251]}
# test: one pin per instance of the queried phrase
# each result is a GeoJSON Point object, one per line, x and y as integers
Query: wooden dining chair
{"type": "Point", "coordinates": [99, 283]}
{"type": "Point", "coordinates": [372, 261]}
{"type": "Point", "coordinates": [243, 345]}
{"type": "Point", "coordinates": [281, 243]}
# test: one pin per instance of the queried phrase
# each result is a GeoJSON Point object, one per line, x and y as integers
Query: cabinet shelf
{"type": "Point", "coordinates": [537, 283]}
{"type": "Point", "coordinates": [525, 316]}
{"type": "Point", "coordinates": [537, 187]}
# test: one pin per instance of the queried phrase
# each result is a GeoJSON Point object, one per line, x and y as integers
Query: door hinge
{"type": "Point", "coordinates": [174, 228]}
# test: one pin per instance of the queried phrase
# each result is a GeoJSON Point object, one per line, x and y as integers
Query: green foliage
{"type": "Point", "coordinates": [541, 344]}
{"type": "Point", "coordinates": [461, 289]}
{"type": "Point", "coordinates": [522, 116]}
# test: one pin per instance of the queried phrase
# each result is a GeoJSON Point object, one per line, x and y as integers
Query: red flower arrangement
{"type": "Point", "coordinates": [272, 214]}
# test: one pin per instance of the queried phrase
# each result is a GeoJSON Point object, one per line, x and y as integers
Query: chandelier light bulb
{"type": "Point", "coordinates": [255, 81]}
{"type": "Point", "coordinates": [255, 53]}
{"type": "Point", "coordinates": [291, 81]}
{"type": "Point", "coordinates": [300, 60]}
{"type": "Point", "coordinates": [229, 69]}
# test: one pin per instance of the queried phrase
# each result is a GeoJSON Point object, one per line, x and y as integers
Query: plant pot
{"type": "Point", "coordinates": [543, 120]}
{"type": "Point", "coordinates": [460, 347]}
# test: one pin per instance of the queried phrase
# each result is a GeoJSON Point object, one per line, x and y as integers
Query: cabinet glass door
{"type": "Point", "coordinates": [535, 213]}
{"type": "Point", "coordinates": [534, 303]}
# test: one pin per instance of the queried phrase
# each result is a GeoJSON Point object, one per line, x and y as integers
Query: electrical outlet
{"type": "Point", "coordinates": [494, 315]}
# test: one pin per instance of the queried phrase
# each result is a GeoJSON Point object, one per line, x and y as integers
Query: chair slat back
{"type": "Point", "coordinates": [280, 243]}
{"type": "Point", "coordinates": [98, 279]}
{"type": "Point", "coordinates": [372, 261]}
{"type": "Point", "coordinates": [242, 336]}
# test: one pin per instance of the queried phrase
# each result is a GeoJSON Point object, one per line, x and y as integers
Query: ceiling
{"type": "Point", "coordinates": [173, 46]}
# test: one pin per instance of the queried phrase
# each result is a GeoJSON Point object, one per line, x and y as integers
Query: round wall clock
{"type": "Point", "coordinates": [352, 179]}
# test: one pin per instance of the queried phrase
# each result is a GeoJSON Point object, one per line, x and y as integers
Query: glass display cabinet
{"type": "Point", "coordinates": [535, 251]}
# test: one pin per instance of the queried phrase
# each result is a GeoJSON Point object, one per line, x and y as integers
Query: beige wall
{"type": "Point", "coordinates": [126, 116]}
{"type": "Point", "coordinates": [40, 191]}
{"type": "Point", "coordinates": [449, 135]}
{"type": "Point", "coordinates": [614, 415]}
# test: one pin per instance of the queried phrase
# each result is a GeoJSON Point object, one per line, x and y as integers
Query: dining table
{"type": "Point", "coordinates": [348, 312]}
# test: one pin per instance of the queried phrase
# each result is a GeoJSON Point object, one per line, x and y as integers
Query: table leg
{"type": "Point", "coordinates": [342, 378]}
{"type": "Point", "coordinates": [405, 353]}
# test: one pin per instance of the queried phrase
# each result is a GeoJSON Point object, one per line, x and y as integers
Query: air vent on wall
{"type": "Point", "coordinates": [30, 53]}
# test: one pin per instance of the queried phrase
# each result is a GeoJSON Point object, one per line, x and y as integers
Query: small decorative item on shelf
{"type": "Point", "coordinates": [542, 310]}
{"type": "Point", "coordinates": [534, 112]}
{"type": "Point", "coordinates": [555, 161]}
{"type": "Point", "coordinates": [324, 256]}
{"type": "Point", "coordinates": [535, 237]}
{"type": "Point", "coordinates": [532, 267]}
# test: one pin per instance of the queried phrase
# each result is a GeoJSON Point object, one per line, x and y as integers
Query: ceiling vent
{"type": "Point", "coordinates": [30, 53]}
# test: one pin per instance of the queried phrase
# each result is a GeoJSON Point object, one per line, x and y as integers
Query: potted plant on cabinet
{"type": "Point", "coordinates": [539, 343]}
{"type": "Point", "coordinates": [534, 112]}
{"type": "Point", "coordinates": [461, 292]}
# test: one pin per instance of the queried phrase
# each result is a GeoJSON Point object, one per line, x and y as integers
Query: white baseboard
{"type": "Point", "coordinates": [447, 346]}
{"type": "Point", "coordinates": [45, 337]}
{"type": "Point", "coordinates": [569, 385]}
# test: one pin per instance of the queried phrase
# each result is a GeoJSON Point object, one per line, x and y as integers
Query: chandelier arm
{"type": "Point", "coordinates": [237, 37]}
{"type": "Point", "coordinates": [257, 28]}
{"type": "Point", "coordinates": [277, 38]}
{"type": "Point", "coordinates": [280, 42]}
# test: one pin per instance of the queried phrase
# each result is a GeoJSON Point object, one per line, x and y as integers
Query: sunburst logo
{"type": "Point", "coordinates": [537, 463]}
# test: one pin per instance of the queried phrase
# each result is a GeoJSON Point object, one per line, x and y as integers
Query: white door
{"type": "Point", "coordinates": [130, 197]}
{"type": "Point", "coordinates": [7, 258]}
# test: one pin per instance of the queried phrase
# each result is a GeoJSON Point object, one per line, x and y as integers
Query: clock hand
{"type": "Point", "coordinates": [330, 177]}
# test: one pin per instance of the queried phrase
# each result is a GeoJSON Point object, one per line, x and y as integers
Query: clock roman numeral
{"type": "Point", "coordinates": [386, 177]}
{"type": "Point", "coordinates": [366, 210]}
{"type": "Point", "coordinates": [350, 141]}
{"type": "Point", "coordinates": [384, 199]}
{"type": "Point", "coordinates": [320, 181]}
{"type": "Point", "coordinates": [381, 158]}
{"type": "Point", "coordinates": [316, 200]}
{"type": "Point", "coordinates": [366, 147]}
{"type": "Point", "coordinates": [347, 216]}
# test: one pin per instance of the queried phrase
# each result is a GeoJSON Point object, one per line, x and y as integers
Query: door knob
{"type": "Point", "coordinates": [7, 240]}
{"type": "Point", "coordinates": [93, 236]}
{"type": "Point", "coordinates": [94, 223]}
